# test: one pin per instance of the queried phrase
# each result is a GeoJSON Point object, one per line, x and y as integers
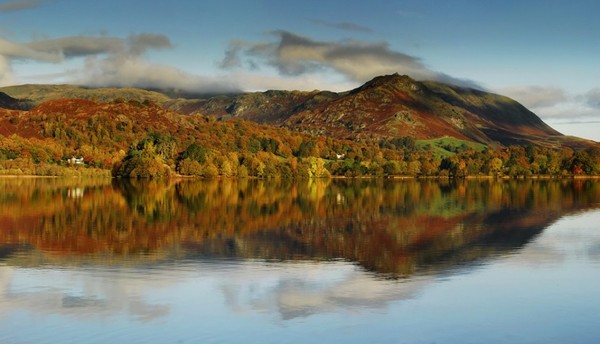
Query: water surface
{"type": "Point", "coordinates": [322, 260]}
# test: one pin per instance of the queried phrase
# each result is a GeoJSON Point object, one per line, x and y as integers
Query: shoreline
{"type": "Point", "coordinates": [536, 177]}
{"type": "Point", "coordinates": [33, 176]}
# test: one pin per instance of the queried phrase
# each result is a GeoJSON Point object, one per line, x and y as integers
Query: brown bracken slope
{"type": "Point", "coordinates": [393, 106]}
{"type": "Point", "coordinates": [386, 107]}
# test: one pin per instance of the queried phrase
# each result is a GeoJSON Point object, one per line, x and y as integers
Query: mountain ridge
{"type": "Point", "coordinates": [386, 107]}
{"type": "Point", "coordinates": [429, 109]}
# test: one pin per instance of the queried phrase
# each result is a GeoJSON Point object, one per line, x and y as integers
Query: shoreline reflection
{"type": "Point", "coordinates": [223, 261]}
{"type": "Point", "coordinates": [393, 228]}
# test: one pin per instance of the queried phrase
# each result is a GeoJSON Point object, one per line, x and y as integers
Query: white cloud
{"type": "Point", "coordinates": [358, 61]}
{"type": "Point", "coordinates": [12, 50]}
{"type": "Point", "coordinates": [76, 46]}
{"type": "Point", "coordinates": [109, 61]}
{"type": "Point", "coordinates": [592, 98]}
{"type": "Point", "coordinates": [6, 77]}
{"type": "Point", "coordinates": [577, 115]}
{"type": "Point", "coordinates": [287, 62]}
{"type": "Point", "coordinates": [231, 59]}
{"type": "Point", "coordinates": [123, 70]}
{"type": "Point", "coordinates": [555, 105]}
{"type": "Point", "coordinates": [535, 96]}
{"type": "Point", "coordinates": [139, 44]}
{"type": "Point", "coordinates": [308, 82]}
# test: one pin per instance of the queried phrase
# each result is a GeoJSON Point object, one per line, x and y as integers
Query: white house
{"type": "Point", "coordinates": [75, 161]}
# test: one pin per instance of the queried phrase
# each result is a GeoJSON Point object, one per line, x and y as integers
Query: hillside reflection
{"type": "Point", "coordinates": [390, 227]}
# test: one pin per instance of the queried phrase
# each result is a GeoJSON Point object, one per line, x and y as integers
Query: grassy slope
{"type": "Point", "coordinates": [446, 146]}
{"type": "Point", "coordinates": [41, 93]}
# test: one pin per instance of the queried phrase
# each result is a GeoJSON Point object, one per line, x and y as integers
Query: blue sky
{"type": "Point", "coordinates": [542, 53]}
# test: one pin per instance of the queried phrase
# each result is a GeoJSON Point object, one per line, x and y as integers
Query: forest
{"type": "Point", "coordinates": [131, 139]}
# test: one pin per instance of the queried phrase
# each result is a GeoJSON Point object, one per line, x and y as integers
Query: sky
{"type": "Point", "coordinates": [544, 54]}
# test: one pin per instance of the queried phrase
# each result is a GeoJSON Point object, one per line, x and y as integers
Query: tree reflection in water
{"type": "Point", "coordinates": [396, 228]}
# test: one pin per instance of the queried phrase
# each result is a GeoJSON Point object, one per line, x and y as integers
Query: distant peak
{"type": "Point", "coordinates": [392, 80]}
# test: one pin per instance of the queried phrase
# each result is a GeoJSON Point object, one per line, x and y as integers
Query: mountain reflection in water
{"type": "Point", "coordinates": [393, 228]}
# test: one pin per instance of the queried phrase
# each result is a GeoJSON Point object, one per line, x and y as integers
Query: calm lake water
{"type": "Point", "coordinates": [327, 261]}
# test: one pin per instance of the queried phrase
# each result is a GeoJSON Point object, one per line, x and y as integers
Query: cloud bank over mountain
{"type": "Point", "coordinates": [358, 61]}
{"type": "Point", "coordinates": [282, 60]}
{"type": "Point", "coordinates": [555, 104]}
{"type": "Point", "coordinates": [108, 61]}
{"type": "Point", "coordinates": [296, 60]}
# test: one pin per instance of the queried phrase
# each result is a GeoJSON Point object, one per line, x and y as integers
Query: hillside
{"type": "Point", "coordinates": [394, 106]}
{"type": "Point", "coordinates": [143, 139]}
{"type": "Point", "coordinates": [38, 94]}
{"type": "Point", "coordinates": [8, 102]}
{"type": "Point", "coordinates": [270, 107]}
{"type": "Point", "coordinates": [386, 107]}
{"type": "Point", "coordinates": [106, 135]}
{"type": "Point", "coordinates": [391, 126]}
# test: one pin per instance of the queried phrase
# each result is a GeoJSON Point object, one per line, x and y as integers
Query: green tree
{"type": "Point", "coordinates": [195, 152]}
{"type": "Point", "coordinates": [146, 158]}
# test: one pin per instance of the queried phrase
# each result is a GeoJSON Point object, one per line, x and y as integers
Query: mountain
{"type": "Point", "coordinates": [386, 108]}
{"type": "Point", "coordinates": [394, 106]}
{"type": "Point", "coordinates": [144, 139]}
{"type": "Point", "coordinates": [270, 107]}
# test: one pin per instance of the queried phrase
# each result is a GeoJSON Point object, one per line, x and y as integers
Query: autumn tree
{"type": "Point", "coordinates": [147, 158]}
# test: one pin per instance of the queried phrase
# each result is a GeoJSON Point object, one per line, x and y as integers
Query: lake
{"type": "Point", "coordinates": [328, 261]}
